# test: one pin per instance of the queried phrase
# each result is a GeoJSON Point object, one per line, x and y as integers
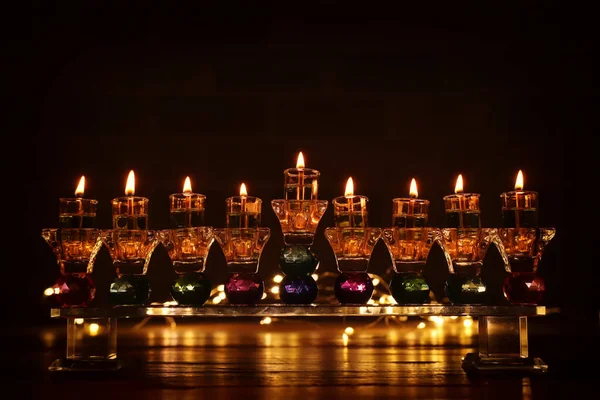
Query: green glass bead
{"type": "Point", "coordinates": [191, 289]}
{"type": "Point", "coordinates": [465, 289]}
{"type": "Point", "coordinates": [409, 288]}
{"type": "Point", "coordinates": [129, 290]}
{"type": "Point", "coordinates": [297, 260]}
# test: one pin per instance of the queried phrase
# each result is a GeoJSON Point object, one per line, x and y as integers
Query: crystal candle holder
{"type": "Point", "coordinates": [410, 212]}
{"type": "Point", "coordinates": [465, 250]}
{"type": "Point", "coordinates": [301, 183]}
{"type": "Point", "coordinates": [462, 210]}
{"type": "Point", "coordinates": [75, 250]}
{"type": "Point", "coordinates": [409, 249]}
{"type": "Point", "coordinates": [524, 248]}
{"type": "Point", "coordinates": [186, 210]}
{"type": "Point", "coordinates": [130, 212]}
{"type": "Point", "coordinates": [130, 250]}
{"type": "Point", "coordinates": [350, 211]}
{"type": "Point", "coordinates": [77, 213]}
{"type": "Point", "coordinates": [188, 249]}
{"type": "Point", "coordinates": [519, 209]}
{"type": "Point", "coordinates": [299, 220]}
{"type": "Point", "coordinates": [242, 249]}
{"type": "Point", "coordinates": [352, 248]}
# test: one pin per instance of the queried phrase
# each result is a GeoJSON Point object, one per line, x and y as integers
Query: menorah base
{"type": "Point", "coordinates": [85, 366]}
{"type": "Point", "coordinates": [474, 364]}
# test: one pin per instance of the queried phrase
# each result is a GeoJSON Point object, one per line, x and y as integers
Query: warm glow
{"type": "Point", "coordinates": [349, 330]}
{"type": "Point", "coordinates": [266, 321]}
{"type": "Point", "coordinates": [519, 182]}
{"type": "Point", "coordinates": [48, 292]}
{"type": "Point", "coordinates": [300, 162]}
{"type": "Point", "coordinates": [187, 186]}
{"type": "Point", "coordinates": [459, 185]}
{"type": "Point", "coordinates": [277, 278]}
{"type": "Point", "coordinates": [130, 186]}
{"type": "Point", "coordinates": [413, 188]}
{"type": "Point", "coordinates": [243, 191]}
{"type": "Point", "coordinates": [94, 328]}
{"type": "Point", "coordinates": [81, 187]}
{"type": "Point", "coordinates": [349, 188]}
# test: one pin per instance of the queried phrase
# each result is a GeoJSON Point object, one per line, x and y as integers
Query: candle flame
{"type": "Point", "coordinates": [187, 186]}
{"type": "Point", "coordinates": [519, 182]}
{"type": "Point", "coordinates": [459, 184]}
{"type": "Point", "coordinates": [300, 162]}
{"type": "Point", "coordinates": [80, 188]}
{"type": "Point", "coordinates": [413, 188]}
{"type": "Point", "coordinates": [130, 185]}
{"type": "Point", "coordinates": [243, 191]}
{"type": "Point", "coordinates": [349, 188]}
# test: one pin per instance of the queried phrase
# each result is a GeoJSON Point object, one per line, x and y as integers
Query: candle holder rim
{"type": "Point", "coordinates": [184, 194]}
{"type": "Point", "coordinates": [415, 199]}
{"type": "Point", "coordinates": [308, 172]}
{"type": "Point", "coordinates": [462, 194]}
{"type": "Point", "coordinates": [517, 192]}
{"type": "Point", "coordinates": [316, 201]}
{"type": "Point", "coordinates": [354, 196]}
{"type": "Point", "coordinates": [246, 197]}
{"type": "Point", "coordinates": [93, 201]}
{"type": "Point", "coordinates": [70, 229]}
{"type": "Point", "coordinates": [126, 198]}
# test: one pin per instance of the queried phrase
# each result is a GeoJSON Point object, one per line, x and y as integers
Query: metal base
{"type": "Point", "coordinates": [83, 367]}
{"type": "Point", "coordinates": [473, 364]}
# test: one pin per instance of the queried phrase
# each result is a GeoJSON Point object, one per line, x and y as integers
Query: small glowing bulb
{"type": "Point", "coordinates": [217, 300]}
{"type": "Point", "coordinates": [265, 321]}
{"type": "Point", "coordinates": [349, 330]}
{"type": "Point", "coordinates": [275, 289]}
{"type": "Point", "coordinates": [375, 281]}
{"type": "Point", "coordinates": [421, 325]}
{"type": "Point", "coordinates": [467, 323]}
{"type": "Point", "coordinates": [94, 328]}
{"type": "Point", "coordinates": [277, 278]}
{"type": "Point", "coordinates": [78, 321]}
{"type": "Point", "coordinates": [48, 292]}
{"type": "Point", "coordinates": [221, 288]}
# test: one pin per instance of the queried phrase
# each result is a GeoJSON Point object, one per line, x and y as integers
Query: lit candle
{"type": "Point", "coordinates": [187, 208]}
{"type": "Point", "coordinates": [350, 210]}
{"type": "Point", "coordinates": [130, 212]}
{"type": "Point", "coordinates": [410, 212]}
{"type": "Point", "coordinates": [243, 211]}
{"type": "Point", "coordinates": [462, 209]}
{"type": "Point", "coordinates": [519, 207]}
{"type": "Point", "coordinates": [77, 212]}
{"type": "Point", "coordinates": [301, 183]}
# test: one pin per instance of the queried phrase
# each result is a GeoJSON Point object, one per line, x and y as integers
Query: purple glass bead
{"type": "Point", "coordinates": [73, 290]}
{"type": "Point", "coordinates": [298, 289]}
{"type": "Point", "coordinates": [244, 288]}
{"type": "Point", "coordinates": [353, 287]}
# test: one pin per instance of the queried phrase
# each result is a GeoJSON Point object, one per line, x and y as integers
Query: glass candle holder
{"type": "Point", "coordinates": [462, 210]}
{"type": "Point", "coordinates": [299, 219]}
{"type": "Point", "coordinates": [409, 249]}
{"type": "Point", "coordinates": [243, 212]}
{"type": "Point", "coordinates": [77, 213]}
{"type": "Point", "coordinates": [350, 211]}
{"type": "Point", "coordinates": [75, 250]}
{"type": "Point", "coordinates": [130, 250]}
{"type": "Point", "coordinates": [242, 249]}
{"type": "Point", "coordinates": [353, 248]}
{"type": "Point", "coordinates": [130, 212]}
{"type": "Point", "coordinates": [465, 250]}
{"type": "Point", "coordinates": [188, 249]}
{"type": "Point", "coordinates": [524, 248]}
{"type": "Point", "coordinates": [301, 183]}
{"type": "Point", "coordinates": [186, 210]}
{"type": "Point", "coordinates": [519, 209]}
{"type": "Point", "coordinates": [410, 212]}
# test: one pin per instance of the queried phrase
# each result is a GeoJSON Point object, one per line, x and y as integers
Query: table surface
{"type": "Point", "coordinates": [303, 358]}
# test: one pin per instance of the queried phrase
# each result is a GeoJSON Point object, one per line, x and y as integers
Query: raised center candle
{"type": "Point", "coordinates": [519, 207]}
{"type": "Point", "coordinates": [186, 208]}
{"type": "Point", "coordinates": [301, 183]}
{"type": "Point", "coordinates": [130, 212]}
{"type": "Point", "coordinates": [77, 212]}
{"type": "Point", "coordinates": [462, 209]}
{"type": "Point", "coordinates": [350, 210]}
{"type": "Point", "coordinates": [410, 212]}
{"type": "Point", "coordinates": [243, 211]}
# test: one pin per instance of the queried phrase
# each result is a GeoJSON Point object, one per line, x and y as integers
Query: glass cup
{"type": "Point", "coordinates": [75, 250]}
{"type": "Point", "coordinates": [409, 249]}
{"type": "Point", "coordinates": [130, 250]}
{"type": "Point", "coordinates": [523, 248]}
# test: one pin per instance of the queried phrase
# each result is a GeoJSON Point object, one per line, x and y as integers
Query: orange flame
{"type": "Point", "coordinates": [187, 186]}
{"type": "Point", "coordinates": [81, 187]}
{"type": "Point", "coordinates": [519, 182]}
{"type": "Point", "coordinates": [349, 188]}
{"type": "Point", "coordinates": [413, 188]}
{"type": "Point", "coordinates": [300, 162]}
{"type": "Point", "coordinates": [243, 191]}
{"type": "Point", "coordinates": [459, 184]}
{"type": "Point", "coordinates": [130, 185]}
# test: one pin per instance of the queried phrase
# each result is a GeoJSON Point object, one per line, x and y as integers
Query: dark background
{"type": "Point", "coordinates": [232, 95]}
